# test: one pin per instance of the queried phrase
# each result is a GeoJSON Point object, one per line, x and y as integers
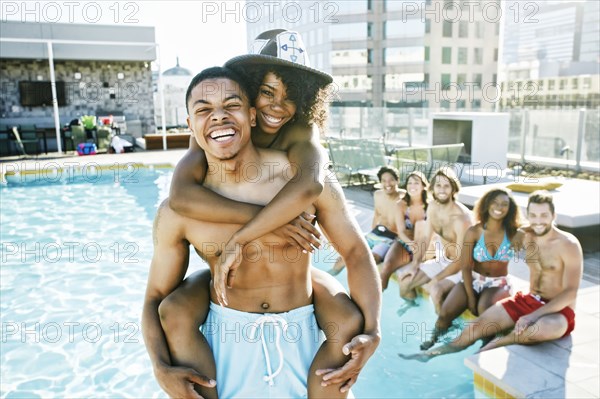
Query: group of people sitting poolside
{"type": "Point", "coordinates": [461, 258]}
{"type": "Point", "coordinates": [260, 321]}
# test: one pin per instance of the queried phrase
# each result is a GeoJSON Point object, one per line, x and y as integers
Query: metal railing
{"type": "Point", "coordinates": [564, 138]}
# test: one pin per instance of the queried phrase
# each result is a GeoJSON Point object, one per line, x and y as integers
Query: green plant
{"type": "Point", "coordinates": [89, 121]}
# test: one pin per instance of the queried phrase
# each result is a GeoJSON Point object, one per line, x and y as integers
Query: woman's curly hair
{"type": "Point", "coordinates": [511, 221]}
{"type": "Point", "coordinates": [308, 92]}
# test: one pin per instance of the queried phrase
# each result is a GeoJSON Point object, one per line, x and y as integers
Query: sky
{"type": "Point", "coordinates": [200, 33]}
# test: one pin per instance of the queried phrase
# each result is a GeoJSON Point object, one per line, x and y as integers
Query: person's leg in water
{"type": "Point", "coordinates": [395, 258]}
{"type": "Point", "coordinates": [340, 265]}
{"type": "Point", "coordinates": [439, 291]}
{"type": "Point", "coordinates": [337, 267]}
{"type": "Point", "coordinates": [341, 320]}
{"type": "Point", "coordinates": [453, 306]}
{"type": "Point", "coordinates": [409, 295]}
{"type": "Point", "coordinates": [493, 321]}
{"type": "Point", "coordinates": [181, 314]}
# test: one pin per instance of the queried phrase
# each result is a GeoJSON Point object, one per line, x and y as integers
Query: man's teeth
{"type": "Point", "coordinates": [222, 135]}
{"type": "Point", "coordinates": [272, 119]}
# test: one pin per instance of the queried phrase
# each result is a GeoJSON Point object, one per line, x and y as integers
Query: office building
{"type": "Point", "coordinates": [392, 53]}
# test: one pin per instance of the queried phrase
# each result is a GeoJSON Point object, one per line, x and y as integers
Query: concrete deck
{"type": "Point", "coordinates": [576, 200]}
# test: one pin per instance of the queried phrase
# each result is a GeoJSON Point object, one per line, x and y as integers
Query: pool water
{"type": "Point", "coordinates": [75, 254]}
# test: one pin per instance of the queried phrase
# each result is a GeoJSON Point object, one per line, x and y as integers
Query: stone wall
{"type": "Point", "coordinates": [91, 88]}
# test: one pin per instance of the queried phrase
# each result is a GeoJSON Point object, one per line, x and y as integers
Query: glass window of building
{"type": "Point", "coordinates": [350, 7]}
{"type": "Point", "coordinates": [460, 104]}
{"type": "Point", "coordinates": [399, 81]}
{"type": "Point", "coordinates": [399, 55]}
{"type": "Point", "coordinates": [462, 55]}
{"type": "Point", "coordinates": [477, 78]}
{"type": "Point", "coordinates": [447, 29]}
{"type": "Point", "coordinates": [445, 104]}
{"type": "Point", "coordinates": [478, 55]}
{"type": "Point", "coordinates": [563, 84]}
{"type": "Point", "coordinates": [401, 29]}
{"type": "Point", "coordinates": [446, 78]}
{"type": "Point", "coordinates": [495, 54]}
{"type": "Point", "coordinates": [369, 56]}
{"type": "Point", "coordinates": [476, 104]}
{"type": "Point", "coordinates": [427, 25]}
{"type": "Point", "coordinates": [551, 84]}
{"type": "Point", "coordinates": [353, 82]}
{"type": "Point", "coordinates": [426, 80]}
{"type": "Point", "coordinates": [587, 83]}
{"type": "Point", "coordinates": [479, 29]}
{"type": "Point", "coordinates": [426, 53]}
{"type": "Point", "coordinates": [349, 57]}
{"type": "Point", "coordinates": [393, 5]}
{"type": "Point", "coordinates": [446, 55]}
{"type": "Point", "coordinates": [574, 83]}
{"type": "Point", "coordinates": [540, 84]}
{"type": "Point", "coordinates": [353, 31]}
{"type": "Point", "coordinates": [463, 29]}
{"type": "Point", "coordinates": [495, 79]}
{"type": "Point", "coordinates": [461, 78]}
{"type": "Point", "coordinates": [370, 30]}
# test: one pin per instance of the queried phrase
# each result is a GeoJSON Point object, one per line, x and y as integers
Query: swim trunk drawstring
{"type": "Point", "coordinates": [280, 324]}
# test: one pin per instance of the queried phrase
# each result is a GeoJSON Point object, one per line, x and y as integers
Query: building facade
{"type": "Point", "coordinates": [552, 59]}
{"type": "Point", "coordinates": [99, 70]}
{"type": "Point", "coordinates": [175, 83]}
{"type": "Point", "coordinates": [393, 53]}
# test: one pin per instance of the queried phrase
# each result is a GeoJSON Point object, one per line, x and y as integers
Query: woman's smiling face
{"type": "Point", "coordinates": [273, 108]}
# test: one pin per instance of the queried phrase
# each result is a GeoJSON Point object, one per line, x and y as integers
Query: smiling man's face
{"type": "Point", "coordinates": [220, 117]}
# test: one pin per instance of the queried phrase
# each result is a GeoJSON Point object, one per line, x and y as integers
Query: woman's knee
{"type": "Point", "coordinates": [353, 324]}
{"type": "Point", "coordinates": [173, 313]}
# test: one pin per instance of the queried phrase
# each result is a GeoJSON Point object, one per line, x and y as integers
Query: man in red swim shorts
{"type": "Point", "coordinates": [546, 313]}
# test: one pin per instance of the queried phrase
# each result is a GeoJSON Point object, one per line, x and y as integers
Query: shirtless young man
{"type": "Point", "coordinates": [546, 313]}
{"type": "Point", "coordinates": [272, 274]}
{"type": "Point", "coordinates": [449, 220]}
{"type": "Point", "coordinates": [383, 229]}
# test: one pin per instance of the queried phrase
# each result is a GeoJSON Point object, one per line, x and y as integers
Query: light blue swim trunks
{"type": "Point", "coordinates": [262, 355]}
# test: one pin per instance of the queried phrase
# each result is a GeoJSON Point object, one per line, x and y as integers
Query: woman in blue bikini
{"type": "Point", "coordinates": [488, 248]}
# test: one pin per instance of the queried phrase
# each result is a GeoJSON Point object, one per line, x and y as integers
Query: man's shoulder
{"type": "Point", "coordinates": [566, 240]}
{"type": "Point", "coordinates": [167, 221]}
{"type": "Point", "coordinates": [165, 213]}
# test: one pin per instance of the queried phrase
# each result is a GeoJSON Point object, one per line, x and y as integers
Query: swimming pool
{"type": "Point", "coordinates": [75, 251]}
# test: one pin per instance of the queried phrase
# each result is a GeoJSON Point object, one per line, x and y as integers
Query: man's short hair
{"type": "Point", "coordinates": [448, 173]}
{"type": "Point", "coordinates": [217, 73]}
{"type": "Point", "coordinates": [541, 197]}
{"type": "Point", "coordinates": [387, 169]}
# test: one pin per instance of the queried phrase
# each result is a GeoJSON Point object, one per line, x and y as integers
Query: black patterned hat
{"type": "Point", "coordinates": [278, 47]}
